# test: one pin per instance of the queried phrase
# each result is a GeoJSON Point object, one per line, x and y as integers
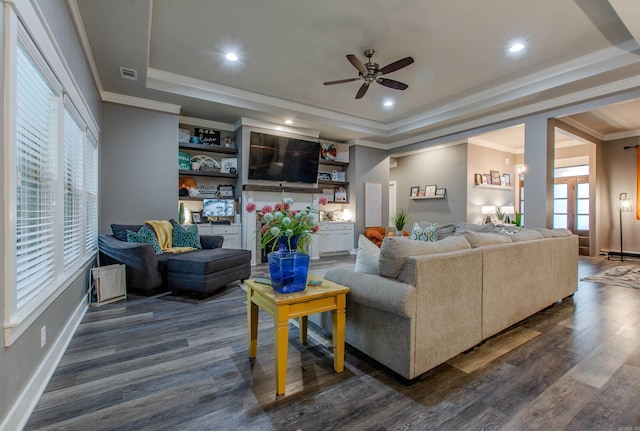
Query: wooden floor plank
{"type": "Point", "coordinates": [178, 363]}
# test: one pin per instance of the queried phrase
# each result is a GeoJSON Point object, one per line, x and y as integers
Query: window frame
{"type": "Point", "coordinates": [46, 56]}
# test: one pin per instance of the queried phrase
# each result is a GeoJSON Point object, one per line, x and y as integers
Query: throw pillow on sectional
{"type": "Point", "coordinates": [145, 235]}
{"type": "Point", "coordinates": [429, 233]}
{"type": "Point", "coordinates": [367, 256]}
{"type": "Point", "coordinates": [185, 236]}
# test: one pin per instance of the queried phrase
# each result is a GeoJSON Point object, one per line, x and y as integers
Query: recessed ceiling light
{"type": "Point", "coordinates": [516, 47]}
{"type": "Point", "coordinates": [231, 56]}
{"type": "Point", "coordinates": [288, 122]}
{"type": "Point", "coordinates": [388, 103]}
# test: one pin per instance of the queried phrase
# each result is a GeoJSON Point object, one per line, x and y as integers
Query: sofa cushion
{"type": "Point", "coordinates": [120, 230]}
{"type": "Point", "coordinates": [426, 233]}
{"type": "Point", "coordinates": [465, 227]}
{"type": "Point", "coordinates": [367, 256]}
{"type": "Point", "coordinates": [525, 235]}
{"type": "Point", "coordinates": [145, 235]}
{"type": "Point", "coordinates": [445, 230]}
{"type": "Point", "coordinates": [185, 236]}
{"type": "Point", "coordinates": [552, 233]}
{"type": "Point", "coordinates": [395, 251]}
{"type": "Point", "coordinates": [208, 261]}
{"type": "Point", "coordinates": [478, 239]}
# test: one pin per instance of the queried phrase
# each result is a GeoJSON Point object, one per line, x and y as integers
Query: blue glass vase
{"type": "Point", "coordinates": [288, 267]}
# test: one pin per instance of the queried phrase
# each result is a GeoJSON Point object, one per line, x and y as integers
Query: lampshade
{"type": "Point", "coordinates": [488, 209]}
{"type": "Point", "coordinates": [624, 203]}
{"type": "Point", "coordinates": [508, 209]}
{"type": "Point", "coordinates": [347, 215]}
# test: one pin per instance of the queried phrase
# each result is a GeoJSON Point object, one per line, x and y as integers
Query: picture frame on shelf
{"type": "Point", "coordinates": [226, 191]}
{"type": "Point", "coordinates": [507, 180]}
{"type": "Point", "coordinates": [495, 177]}
{"type": "Point", "coordinates": [430, 190]}
{"type": "Point", "coordinates": [208, 136]}
{"type": "Point", "coordinates": [486, 179]}
{"type": "Point", "coordinates": [478, 179]}
{"type": "Point", "coordinates": [196, 217]}
{"type": "Point", "coordinates": [229, 166]}
{"type": "Point", "coordinates": [441, 192]}
{"type": "Point", "coordinates": [414, 191]}
{"type": "Point", "coordinates": [421, 194]}
{"type": "Point", "coordinates": [340, 194]}
{"type": "Point", "coordinates": [326, 215]}
{"type": "Point", "coordinates": [503, 181]}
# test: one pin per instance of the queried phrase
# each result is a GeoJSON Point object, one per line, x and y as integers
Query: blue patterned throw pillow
{"type": "Point", "coordinates": [427, 234]}
{"type": "Point", "coordinates": [185, 236]}
{"type": "Point", "coordinates": [145, 235]}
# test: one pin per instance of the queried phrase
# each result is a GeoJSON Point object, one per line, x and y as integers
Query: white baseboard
{"type": "Point", "coordinates": [20, 412]}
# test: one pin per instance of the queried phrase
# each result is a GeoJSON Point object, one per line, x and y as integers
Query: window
{"type": "Point", "coordinates": [51, 172]}
{"type": "Point", "coordinates": [36, 178]}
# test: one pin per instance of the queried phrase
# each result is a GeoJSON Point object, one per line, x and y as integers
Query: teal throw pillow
{"type": "Point", "coordinates": [185, 236]}
{"type": "Point", "coordinates": [427, 234]}
{"type": "Point", "coordinates": [145, 235]}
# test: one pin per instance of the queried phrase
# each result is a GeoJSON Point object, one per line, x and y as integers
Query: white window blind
{"type": "Point", "coordinates": [73, 189]}
{"type": "Point", "coordinates": [36, 171]}
{"type": "Point", "coordinates": [91, 164]}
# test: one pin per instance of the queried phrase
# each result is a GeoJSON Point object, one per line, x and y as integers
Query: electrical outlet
{"type": "Point", "coordinates": [43, 336]}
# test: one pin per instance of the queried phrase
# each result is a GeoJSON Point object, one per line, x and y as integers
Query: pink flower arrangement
{"type": "Point", "coordinates": [283, 221]}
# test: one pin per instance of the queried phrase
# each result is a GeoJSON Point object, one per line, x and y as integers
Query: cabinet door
{"type": "Point", "coordinates": [326, 238]}
{"type": "Point", "coordinates": [344, 238]}
{"type": "Point", "coordinates": [230, 233]}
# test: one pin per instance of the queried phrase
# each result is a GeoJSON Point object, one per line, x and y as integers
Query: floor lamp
{"type": "Point", "coordinates": [624, 205]}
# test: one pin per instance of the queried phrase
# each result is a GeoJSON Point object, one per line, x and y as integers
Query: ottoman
{"type": "Point", "coordinates": [206, 271]}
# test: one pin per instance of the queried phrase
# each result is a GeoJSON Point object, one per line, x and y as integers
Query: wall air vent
{"type": "Point", "coordinates": [126, 73]}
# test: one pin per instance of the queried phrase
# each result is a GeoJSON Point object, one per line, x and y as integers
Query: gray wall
{"type": "Point", "coordinates": [20, 361]}
{"type": "Point", "coordinates": [138, 166]}
{"type": "Point", "coordinates": [367, 165]}
{"type": "Point", "coordinates": [444, 167]}
{"type": "Point", "coordinates": [617, 174]}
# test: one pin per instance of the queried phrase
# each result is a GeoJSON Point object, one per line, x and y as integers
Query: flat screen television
{"type": "Point", "coordinates": [218, 208]}
{"type": "Point", "coordinates": [277, 158]}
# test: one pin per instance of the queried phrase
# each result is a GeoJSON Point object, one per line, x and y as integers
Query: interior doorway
{"type": "Point", "coordinates": [571, 207]}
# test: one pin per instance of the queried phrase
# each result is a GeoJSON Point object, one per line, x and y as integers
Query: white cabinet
{"type": "Point", "coordinates": [230, 232]}
{"type": "Point", "coordinates": [335, 237]}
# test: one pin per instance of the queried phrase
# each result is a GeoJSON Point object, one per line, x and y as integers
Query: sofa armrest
{"type": "Point", "coordinates": [137, 255]}
{"type": "Point", "coordinates": [211, 241]}
{"type": "Point", "coordinates": [382, 293]}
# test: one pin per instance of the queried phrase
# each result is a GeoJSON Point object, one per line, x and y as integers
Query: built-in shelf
{"type": "Point", "coordinates": [200, 198]}
{"type": "Point", "coordinates": [208, 148]}
{"type": "Point", "coordinates": [426, 197]}
{"type": "Point", "coordinates": [203, 173]}
{"type": "Point", "coordinates": [491, 186]}
{"type": "Point", "coordinates": [332, 183]}
{"type": "Point", "coordinates": [263, 188]}
{"type": "Point", "coordinates": [332, 163]}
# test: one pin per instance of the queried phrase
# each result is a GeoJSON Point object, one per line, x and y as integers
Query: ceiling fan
{"type": "Point", "coordinates": [371, 72]}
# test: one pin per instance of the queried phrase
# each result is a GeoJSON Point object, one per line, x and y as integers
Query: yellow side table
{"type": "Point", "coordinates": [328, 296]}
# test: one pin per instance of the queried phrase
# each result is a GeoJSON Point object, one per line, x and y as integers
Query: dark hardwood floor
{"type": "Point", "coordinates": [170, 363]}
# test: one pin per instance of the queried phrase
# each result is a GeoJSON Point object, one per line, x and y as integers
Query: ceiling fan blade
{"type": "Point", "coordinates": [396, 85]}
{"type": "Point", "coordinates": [341, 81]}
{"type": "Point", "coordinates": [363, 89]}
{"type": "Point", "coordinates": [396, 65]}
{"type": "Point", "coordinates": [357, 63]}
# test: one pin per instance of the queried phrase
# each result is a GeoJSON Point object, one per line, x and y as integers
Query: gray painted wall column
{"type": "Point", "coordinates": [367, 165]}
{"type": "Point", "coordinates": [538, 182]}
{"type": "Point", "coordinates": [138, 166]}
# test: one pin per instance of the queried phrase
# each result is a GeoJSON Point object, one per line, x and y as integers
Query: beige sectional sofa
{"type": "Point", "coordinates": [434, 300]}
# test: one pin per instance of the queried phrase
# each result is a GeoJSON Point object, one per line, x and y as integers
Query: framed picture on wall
{"type": "Point", "coordinates": [495, 178]}
{"type": "Point", "coordinates": [196, 217]}
{"type": "Point", "coordinates": [414, 191]}
{"type": "Point", "coordinates": [430, 190]}
{"type": "Point", "coordinates": [507, 179]}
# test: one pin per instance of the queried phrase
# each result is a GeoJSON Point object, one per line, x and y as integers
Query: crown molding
{"type": "Point", "coordinates": [74, 11]}
{"type": "Point", "coordinates": [250, 122]}
{"type": "Point", "coordinates": [622, 135]}
{"type": "Point", "coordinates": [204, 90]}
{"type": "Point", "coordinates": [493, 146]}
{"type": "Point", "coordinates": [573, 123]}
{"type": "Point", "coordinates": [139, 102]}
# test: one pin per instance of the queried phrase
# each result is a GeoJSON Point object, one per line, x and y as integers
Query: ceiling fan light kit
{"type": "Point", "coordinates": [371, 72]}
